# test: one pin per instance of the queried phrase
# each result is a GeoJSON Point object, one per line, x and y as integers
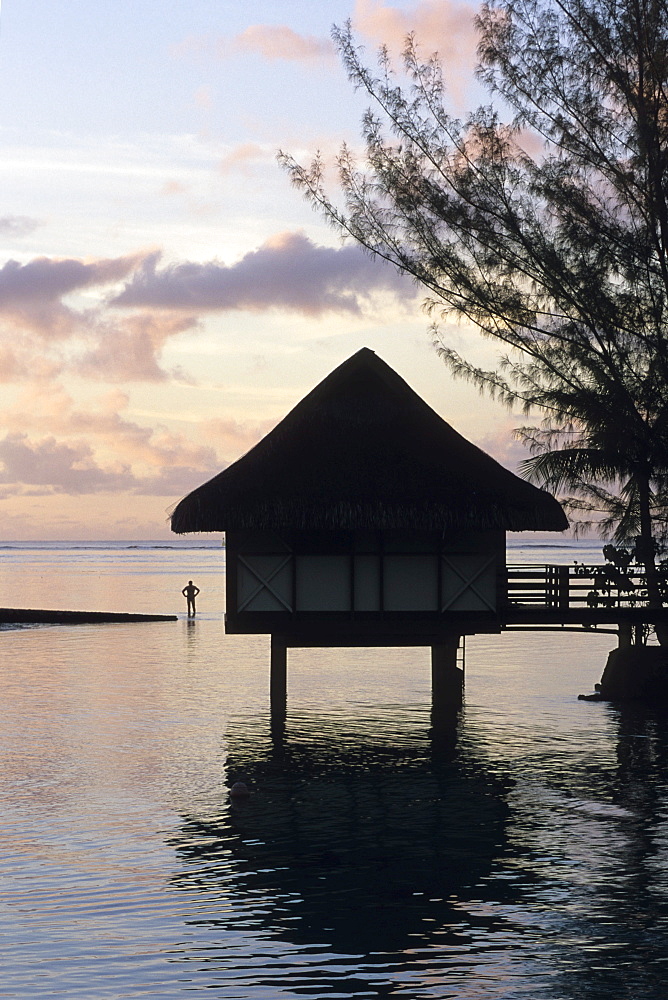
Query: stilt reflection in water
{"type": "Point", "coordinates": [358, 845]}
{"type": "Point", "coordinates": [371, 862]}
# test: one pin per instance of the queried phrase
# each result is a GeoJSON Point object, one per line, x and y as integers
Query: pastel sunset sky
{"type": "Point", "coordinates": [166, 296]}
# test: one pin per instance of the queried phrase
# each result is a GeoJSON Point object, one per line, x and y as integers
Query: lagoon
{"type": "Point", "coordinates": [529, 858]}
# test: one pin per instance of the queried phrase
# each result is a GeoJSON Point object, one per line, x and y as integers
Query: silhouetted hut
{"type": "Point", "coordinates": [364, 518]}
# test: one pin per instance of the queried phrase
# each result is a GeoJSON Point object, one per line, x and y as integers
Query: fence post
{"type": "Point", "coordinates": [563, 585]}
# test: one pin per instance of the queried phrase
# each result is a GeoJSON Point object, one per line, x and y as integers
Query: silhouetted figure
{"type": "Point", "coordinates": [190, 593]}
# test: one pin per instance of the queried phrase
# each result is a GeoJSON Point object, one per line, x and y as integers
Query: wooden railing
{"type": "Point", "coordinates": [564, 587]}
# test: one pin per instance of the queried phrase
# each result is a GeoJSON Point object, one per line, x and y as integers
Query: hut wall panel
{"type": "Point", "coordinates": [367, 583]}
{"type": "Point", "coordinates": [384, 573]}
{"type": "Point", "coordinates": [410, 583]}
{"type": "Point", "coordinates": [323, 583]}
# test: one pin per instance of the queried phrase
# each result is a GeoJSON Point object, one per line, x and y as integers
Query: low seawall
{"type": "Point", "coordinates": [31, 616]}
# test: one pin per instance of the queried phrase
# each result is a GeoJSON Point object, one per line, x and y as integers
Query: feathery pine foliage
{"type": "Point", "coordinates": [561, 257]}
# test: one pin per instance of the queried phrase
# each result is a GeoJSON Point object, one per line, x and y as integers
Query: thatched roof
{"type": "Point", "coordinates": [363, 450]}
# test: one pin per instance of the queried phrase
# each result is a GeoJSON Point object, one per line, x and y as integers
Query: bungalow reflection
{"type": "Point", "coordinates": [362, 844]}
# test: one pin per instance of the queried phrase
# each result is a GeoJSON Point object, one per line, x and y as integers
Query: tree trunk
{"type": "Point", "coordinates": [646, 555]}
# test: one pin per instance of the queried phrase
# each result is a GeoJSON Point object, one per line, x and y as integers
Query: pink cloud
{"type": "Point", "coordinates": [288, 272]}
{"type": "Point", "coordinates": [45, 332]}
{"type": "Point", "coordinates": [242, 157]}
{"type": "Point", "coordinates": [443, 26]}
{"type": "Point", "coordinates": [31, 294]}
{"type": "Point", "coordinates": [173, 187]}
{"type": "Point", "coordinates": [151, 448]}
{"type": "Point", "coordinates": [271, 41]}
{"type": "Point", "coordinates": [532, 144]}
{"type": "Point", "coordinates": [54, 446]}
{"type": "Point", "coordinates": [54, 411]}
{"type": "Point", "coordinates": [45, 335]}
{"type": "Point", "coordinates": [233, 438]}
{"type": "Point", "coordinates": [129, 350]}
{"type": "Point", "coordinates": [19, 360]}
{"type": "Point", "coordinates": [47, 466]}
{"type": "Point", "coordinates": [203, 99]}
{"type": "Point", "coordinates": [18, 225]}
{"type": "Point", "coordinates": [57, 466]}
{"type": "Point", "coordinates": [192, 46]}
{"type": "Point", "coordinates": [281, 42]}
{"type": "Point", "coordinates": [49, 278]}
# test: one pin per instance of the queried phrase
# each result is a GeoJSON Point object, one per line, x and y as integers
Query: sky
{"type": "Point", "coordinates": [166, 295]}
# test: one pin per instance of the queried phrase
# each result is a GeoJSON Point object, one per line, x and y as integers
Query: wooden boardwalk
{"type": "Point", "coordinates": [576, 595]}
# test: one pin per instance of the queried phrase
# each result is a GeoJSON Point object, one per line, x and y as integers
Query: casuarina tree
{"type": "Point", "coordinates": [541, 219]}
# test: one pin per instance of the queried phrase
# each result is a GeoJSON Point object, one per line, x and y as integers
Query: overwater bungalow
{"type": "Point", "coordinates": [363, 518]}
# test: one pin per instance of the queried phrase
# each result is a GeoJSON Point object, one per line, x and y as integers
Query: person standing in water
{"type": "Point", "coordinates": [190, 593]}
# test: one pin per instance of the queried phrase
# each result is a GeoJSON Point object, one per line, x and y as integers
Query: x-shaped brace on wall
{"type": "Point", "coordinates": [265, 583]}
{"type": "Point", "coordinates": [468, 584]}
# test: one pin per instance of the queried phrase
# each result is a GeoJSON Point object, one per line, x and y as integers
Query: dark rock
{"type": "Point", "coordinates": [635, 673]}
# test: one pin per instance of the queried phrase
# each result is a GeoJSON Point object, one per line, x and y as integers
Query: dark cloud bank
{"type": "Point", "coordinates": [287, 272]}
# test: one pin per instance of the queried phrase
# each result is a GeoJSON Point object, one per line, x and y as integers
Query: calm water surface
{"type": "Point", "coordinates": [526, 858]}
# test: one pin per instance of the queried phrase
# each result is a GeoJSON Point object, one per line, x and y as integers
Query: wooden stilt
{"type": "Point", "coordinates": [278, 677]}
{"type": "Point", "coordinates": [447, 679]}
{"type": "Point", "coordinates": [625, 635]}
